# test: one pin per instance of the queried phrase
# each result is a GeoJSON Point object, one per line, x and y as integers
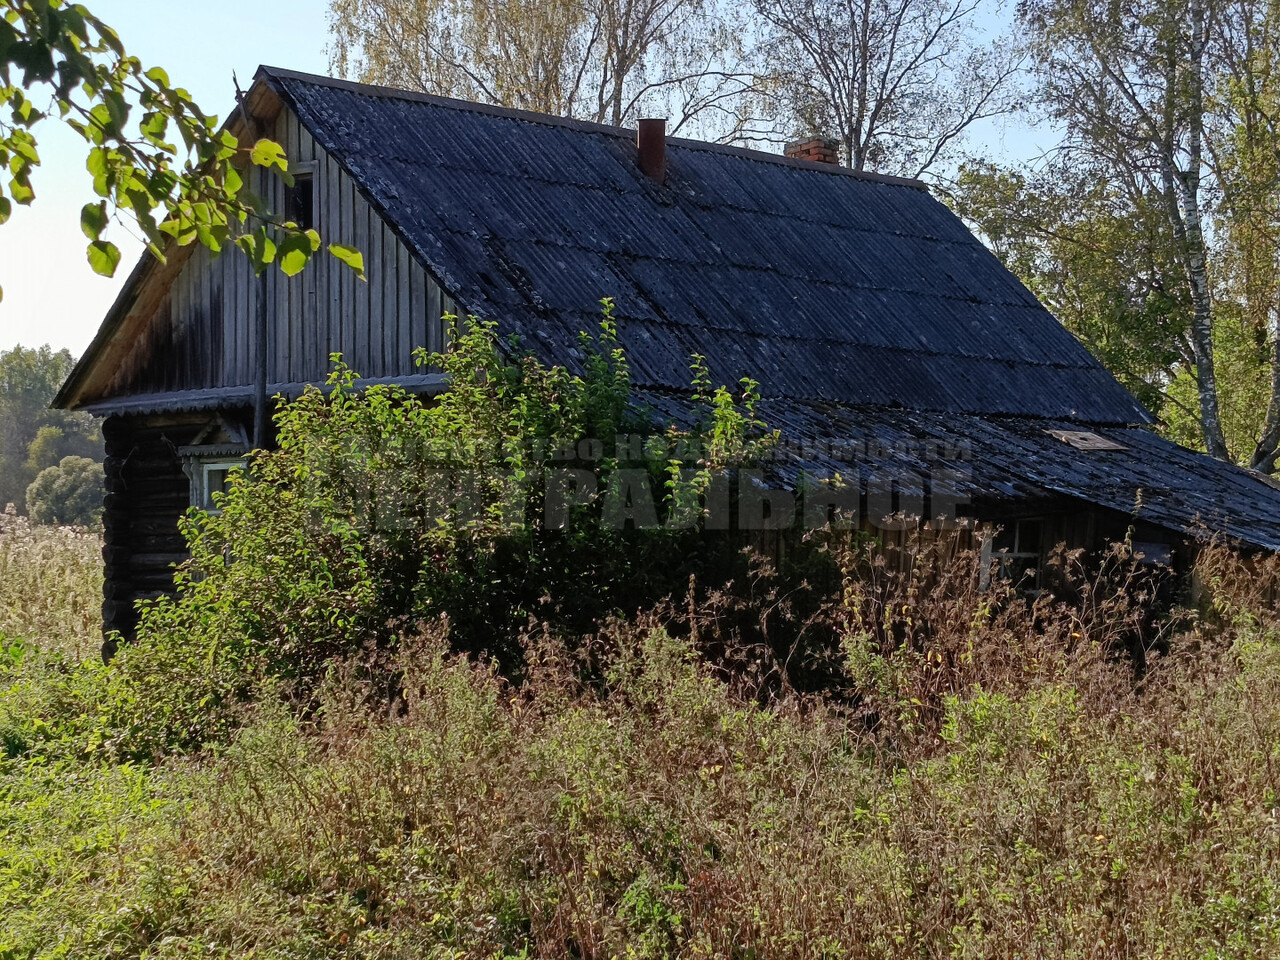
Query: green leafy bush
{"type": "Point", "coordinates": [630, 797]}
{"type": "Point", "coordinates": [69, 493]}
{"type": "Point", "coordinates": [380, 510]}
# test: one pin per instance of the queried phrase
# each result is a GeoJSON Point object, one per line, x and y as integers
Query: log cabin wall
{"type": "Point", "coordinates": [146, 495]}
{"type": "Point", "coordinates": [204, 334]}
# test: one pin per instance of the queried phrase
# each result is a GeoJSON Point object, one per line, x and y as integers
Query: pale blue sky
{"type": "Point", "coordinates": [50, 294]}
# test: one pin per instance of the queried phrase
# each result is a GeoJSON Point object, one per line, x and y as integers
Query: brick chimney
{"type": "Point", "coordinates": [817, 149]}
{"type": "Point", "coordinates": [651, 145]}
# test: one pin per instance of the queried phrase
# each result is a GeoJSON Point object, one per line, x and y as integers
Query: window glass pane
{"type": "Point", "coordinates": [217, 479]}
{"type": "Point", "coordinates": [1030, 533]}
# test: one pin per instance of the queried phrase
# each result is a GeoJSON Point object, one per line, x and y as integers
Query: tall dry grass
{"type": "Point", "coordinates": [992, 778]}
{"type": "Point", "coordinates": [51, 586]}
{"type": "Point", "coordinates": [1013, 783]}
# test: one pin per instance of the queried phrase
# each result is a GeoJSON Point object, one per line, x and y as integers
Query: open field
{"type": "Point", "coordinates": [51, 586]}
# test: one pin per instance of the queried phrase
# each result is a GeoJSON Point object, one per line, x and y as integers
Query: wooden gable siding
{"type": "Point", "coordinates": [203, 331]}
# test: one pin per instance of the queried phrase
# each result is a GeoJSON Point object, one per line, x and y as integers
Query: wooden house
{"type": "Point", "coordinates": [888, 342]}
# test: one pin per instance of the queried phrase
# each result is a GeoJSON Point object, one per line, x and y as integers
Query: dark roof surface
{"type": "Point", "coordinates": [822, 285]}
{"type": "Point", "coordinates": [1012, 460]}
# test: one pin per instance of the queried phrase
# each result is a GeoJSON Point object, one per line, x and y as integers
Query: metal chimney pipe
{"type": "Point", "coordinates": [651, 143]}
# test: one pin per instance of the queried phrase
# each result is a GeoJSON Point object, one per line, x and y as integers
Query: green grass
{"type": "Point", "coordinates": [1020, 795]}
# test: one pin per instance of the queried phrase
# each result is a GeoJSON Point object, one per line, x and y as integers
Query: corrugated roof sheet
{"type": "Point", "coordinates": [821, 285]}
{"type": "Point", "coordinates": [1010, 460]}
{"type": "Point", "coordinates": [887, 340]}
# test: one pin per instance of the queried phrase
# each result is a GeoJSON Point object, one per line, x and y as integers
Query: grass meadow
{"type": "Point", "coordinates": [1006, 786]}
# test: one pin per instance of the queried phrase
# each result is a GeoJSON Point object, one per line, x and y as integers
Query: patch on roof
{"type": "Point", "coordinates": [1086, 440]}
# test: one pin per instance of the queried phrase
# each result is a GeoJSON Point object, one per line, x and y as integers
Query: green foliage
{"type": "Point", "coordinates": [1016, 794]}
{"type": "Point", "coordinates": [154, 155]}
{"type": "Point", "coordinates": [69, 493]}
{"type": "Point", "coordinates": [32, 436]}
{"type": "Point", "coordinates": [650, 807]}
{"type": "Point", "coordinates": [498, 501]}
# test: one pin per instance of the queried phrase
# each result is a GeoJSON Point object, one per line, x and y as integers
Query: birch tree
{"type": "Point", "coordinates": [1244, 146]}
{"type": "Point", "coordinates": [1129, 82]}
{"type": "Point", "coordinates": [896, 82]}
{"type": "Point", "coordinates": [599, 60]}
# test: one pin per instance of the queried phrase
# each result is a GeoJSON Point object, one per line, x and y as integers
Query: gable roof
{"type": "Point", "coordinates": [865, 308]}
{"type": "Point", "coordinates": [822, 284]}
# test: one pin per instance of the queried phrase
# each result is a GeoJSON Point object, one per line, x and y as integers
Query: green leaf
{"type": "Point", "coordinates": [296, 250]}
{"type": "Point", "coordinates": [104, 257]}
{"type": "Point", "coordinates": [93, 219]}
{"type": "Point", "coordinates": [6, 208]}
{"type": "Point", "coordinates": [21, 192]}
{"type": "Point", "coordinates": [352, 257]}
{"type": "Point", "coordinates": [157, 76]}
{"type": "Point", "coordinates": [268, 153]}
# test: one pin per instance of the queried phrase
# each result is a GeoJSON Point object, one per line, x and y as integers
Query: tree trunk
{"type": "Point", "coordinates": [1189, 229]}
{"type": "Point", "coordinates": [1268, 446]}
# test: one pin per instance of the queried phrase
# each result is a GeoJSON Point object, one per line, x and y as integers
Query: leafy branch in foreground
{"type": "Point", "coordinates": [154, 155]}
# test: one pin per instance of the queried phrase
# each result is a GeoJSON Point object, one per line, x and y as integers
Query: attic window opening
{"type": "Point", "coordinates": [300, 201]}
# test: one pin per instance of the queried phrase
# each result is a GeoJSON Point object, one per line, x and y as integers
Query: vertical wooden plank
{"type": "Point", "coordinates": [426, 309]}
{"type": "Point", "coordinates": [393, 359]}
{"type": "Point", "coordinates": [273, 293]}
{"type": "Point", "coordinates": [179, 366]}
{"type": "Point", "coordinates": [332, 233]}
{"type": "Point", "coordinates": [281, 288]}
{"type": "Point", "coordinates": [227, 285]}
{"type": "Point", "coordinates": [230, 258]}
{"type": "Point", "coordinates": [197, 309]}
{"type": "Point", "coordinates": [314, 278]}
{"type": "Point", "coordinates": [198, 343]}
{"type": "Point", "coordinates": [404, 313]}
{"type": "Point", "coordinates": [318, 287]}
{"type": "Point", "coordinates": [293, 293]}
{"type": "Point", "coordinates": [307, 148]}
{"type": "Point", "coordinates": [349, 282]}
{"type": "Point", "coordinates": [244, 307]}
{"type": "Point", "coordinates": [360, 216]}
{"type": "Point", "coordinates": [167, 329]}
{"type": "Point", "coordinates": [191, 319]}
{"type": "Point", "coordinates": [375, 270]}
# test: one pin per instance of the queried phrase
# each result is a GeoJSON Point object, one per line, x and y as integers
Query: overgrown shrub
{"type": "Point", "coordinates": [1022, 789]}
{"type": "Point", "coordinates": [380, 510]}
{"type": "Point", "coordinates": [657, 809]}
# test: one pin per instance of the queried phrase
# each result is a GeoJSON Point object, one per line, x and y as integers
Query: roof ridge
{"type": "Point", "coordinates": [585, 126]}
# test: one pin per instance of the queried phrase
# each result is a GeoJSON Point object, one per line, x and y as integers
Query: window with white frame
{"type": "Point", "coordinates": [1018, 551]}
{"type": "Point", "coordinates": [218, 452]}
{"type": "Point", "coordinates": [214, 479]}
